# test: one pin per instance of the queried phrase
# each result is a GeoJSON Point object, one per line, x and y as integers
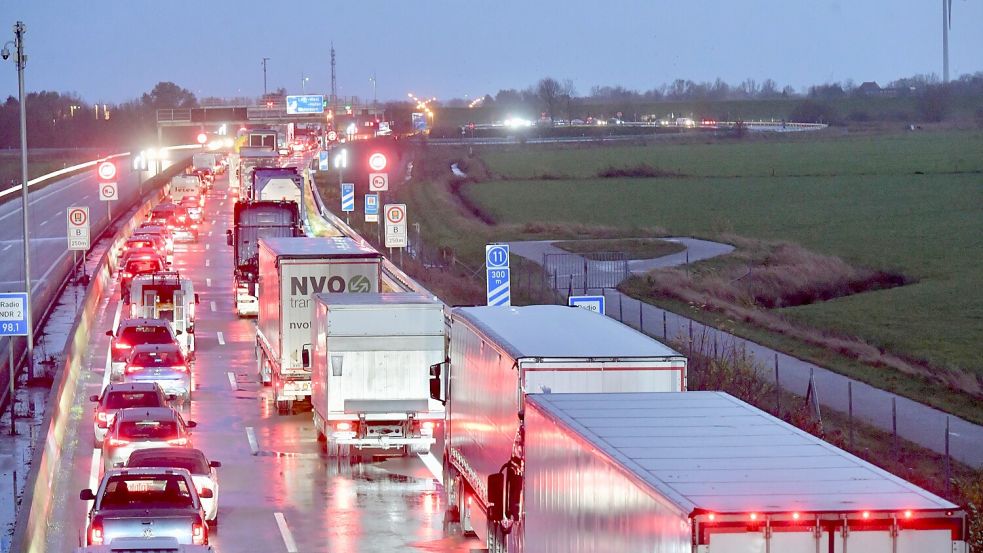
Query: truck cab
{"type": "Point", "coordinates": [168, 296]}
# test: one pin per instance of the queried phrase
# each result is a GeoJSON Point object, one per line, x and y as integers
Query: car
{"type": "Point", "coordinates": [158, 230]}
{"type": "Point", "coordinates": [162, 213]}
{"type": "Point", "coordinates": [132, 333]}
{"type": "Point", "coordinates": [195, 206]}
{"type": "Point", "coordinates": [202, 470]}
{"type": "Point", "coordinates": [140, 261]}
{"type": "Point", "coordinates": [181, 226]}
{"type": "Point", "coordinates": [118, 396]}
{"type": "Point", "coordinates": [151, 241]}
{"type": "Point", "coordinates": [141, 428]}
{"type": "Point", "coordinates": [146, 503]}
{"type": "Point", "coordinates": [163, 364]}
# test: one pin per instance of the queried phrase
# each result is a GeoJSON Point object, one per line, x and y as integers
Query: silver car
{"type": "Point", "coordinates": [163, 364]}
{"type": "Point", "coordinates": [146, 503]}
{"type": "Point", "coordinates": [122, 396]}
{"type": "Point", "coordinates": [142, 428]}
{"type": "Point", "coordinates": [202, 471]}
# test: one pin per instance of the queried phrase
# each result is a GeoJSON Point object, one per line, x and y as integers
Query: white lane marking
{"type": "Point", "coordinates": [213, 221]}
{"type": "Point", "coordinates": [207, 246]}
{"type": "Point", "coordinates": [232, 381]}
{"type": "Point", "coordinates": [213, 307]}
{"type": "Point", "coordinates": [208, 263]}
{"type": "Point", "coordinates": [7, 247]}
{"type": "Point", "coordinates": [209, 233]}
{"type": "Point", "coordinates": [432, 465]}
{"type": "Point", "coordinates": [208, 282]}
{"type": "Point", "coordinates": [94, 469]}
{"type": "Point", "coordinates": [221, 338]}
{"type": "Point", "coordinates": [116, 318]}
{"type": "Point", "coordinates": [251, 436]}
{"type": "Point", "coordinates": [222, 202]}
{"type": "Point", "coordinates": [45, 222]}
{"type": "Point", "coordinates": [288, 537]}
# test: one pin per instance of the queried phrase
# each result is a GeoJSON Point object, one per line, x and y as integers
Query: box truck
{"type": "Point", "coordinates": [291, 271]}
{"type": "Point", "coordinates": [370, 376]}
{"type": "Point", "coordinates": [500, 354]}
{"type": "Point", "coordinates": [185, 185]}
{"type": "Point", "coordinates": [252, 221]}
{"type": "Point", "coordinates": [278, 183]}
{"type": "Point", "coordinates": [699, 472]}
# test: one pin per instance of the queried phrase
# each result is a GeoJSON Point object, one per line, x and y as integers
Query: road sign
{"type": "Point", "coordinates": [13, 314]}
{"type": "Point", "coordinates": [378, 182]}
{"type": "Point", "coordinates": [371, 208]}
{"type": "Point", "coordinates": [498, 282]}
{"type": "Point", "coordinates": [347, 196]}
{"type": "Point", "coordinates": [378, 161]}
{"type": "Point", "coordinates": [108, 191]}
{"type": "Point", "coordinates": [106, 171]}
{"type": "Point", "coordinates": [395, 225]}
{"type": "Point", "coordinates": [332, 136]}
{"type": "Point", "coordinates": [308, 103]}
{"type": "Point", "coordinates": [590, 303]}
{"type": "Point", "coordinates": [78, 228]}
{"type": "Point", "coordinates": [322, 161]}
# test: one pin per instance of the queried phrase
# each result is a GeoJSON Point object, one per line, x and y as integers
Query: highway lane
{"type": "Point", "coordinates": [278, 492]}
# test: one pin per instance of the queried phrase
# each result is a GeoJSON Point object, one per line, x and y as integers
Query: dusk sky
{"type": "Point", "coordinates": [114, 50]}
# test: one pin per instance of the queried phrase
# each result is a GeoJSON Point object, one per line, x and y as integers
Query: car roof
{"type": "Point", "coordinates": [143, 348]}
{"type": "Point", "coordinates": [145, 470]}
{"type": "Point", "coordinates": [147, 413]}
{"type": "Point", "coordinates": [170, 452]}
{"type": "Point", "coordinates": [141, 321]}
{"type": "Point", "coordinates": [131, 387]}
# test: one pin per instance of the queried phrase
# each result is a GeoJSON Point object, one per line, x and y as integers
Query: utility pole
{"type": "Point", "coordinates": [334, 84]}
{"type": "Point", "coordinates": [375, 97]}
{"type": "Point", "coordinates": [946, 23]}
{"type": "Point", "coordinates": [264, 75]}
{"type": "Point", "coordinates": [303, 83]}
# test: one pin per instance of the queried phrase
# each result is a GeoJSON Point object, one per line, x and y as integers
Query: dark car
{"type": "Point", "coordinates": [135, 332]}
{"type": "Point", "coordinates": [119, 396]}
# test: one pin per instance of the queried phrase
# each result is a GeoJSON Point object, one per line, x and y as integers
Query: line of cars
{"type": "Point", "coordinates": [156, 487]}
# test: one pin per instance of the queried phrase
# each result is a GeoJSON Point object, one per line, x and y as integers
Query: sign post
{"type": "Point", "coordinates": [498, 286]}
{"type": "Point", "coordinates": [13, 322]}
{"type": "Point", "coordinates": [395, 225]}
{"type": "Point", "coordinates": [347, 198]}
{"type": "Point", "coordinates": [590, 303]}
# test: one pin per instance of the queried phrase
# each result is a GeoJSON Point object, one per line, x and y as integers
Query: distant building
{"type": "Point", "coordinates": [869, 88]}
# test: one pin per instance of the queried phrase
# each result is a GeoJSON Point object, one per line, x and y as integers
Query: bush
{"type": "Point", "coordinates": [933, 104]}
{"type": "Point", "coordinates": [812, 111]}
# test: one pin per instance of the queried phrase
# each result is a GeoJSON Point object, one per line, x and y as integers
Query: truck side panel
{"type": "Point", "coordinates": [268, 292]}
{"type": "Point", "coordinates": [577, 501]}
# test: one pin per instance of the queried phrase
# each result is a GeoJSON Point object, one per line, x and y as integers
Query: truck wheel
{"type": "Point", "coordinates": [331, 448]}
{"type": "Point", "coordinates": [284, 406]}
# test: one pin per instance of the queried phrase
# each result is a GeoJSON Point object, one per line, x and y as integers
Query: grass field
{"type": "Point", "coordinates": [38, 163]}
{"type": "Point", "coordinates": [912, 202]}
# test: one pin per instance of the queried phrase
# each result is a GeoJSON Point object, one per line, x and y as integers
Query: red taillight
{"type": "Point", "coordinates": [181, 218]}
{"type": "Point", "coordinates": [178, 441]}
{"type": "Point", "coordinates": [194, 226]}
{"type": "Point", "coordinates": [170, 227]}
{"type": "Point", "coordinates": [199, 534]}
{"type": "Point", "coordinates": [343, 426]}
{"type": "Point", "coordinates": [96, 536]}
{"type": "Point", "coordinates": [182, 368]}
{"type": "Point", "coordinates": [122, 345]}
{"type": "Point", "coordinates": [907, 514]}
{"type": "Point", "coordinates": [795, 516]}
{"type": "Point", "coordinates": [127, 275]}
{"type": "Point", "coordinates": [132, 369]}
{"type": "Point", "coordinates": [429, 425]}
{"type": "Point", "coordinates": [711, 517]}
{"type": "Point", "coordinates": [865, 514]}
{"type": "Point", "coordinates": [116, 442]}
{"type": "Point", "coordinates": [754, 516]}
{"type": "Point", "coordinates": [102, 419]}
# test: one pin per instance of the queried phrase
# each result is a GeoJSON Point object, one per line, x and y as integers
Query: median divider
{"type": "Point", "coordinates": [30, 531]}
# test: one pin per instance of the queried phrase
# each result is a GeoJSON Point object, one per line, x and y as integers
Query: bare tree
{"type": "Point", "coordinates": [549, 90]}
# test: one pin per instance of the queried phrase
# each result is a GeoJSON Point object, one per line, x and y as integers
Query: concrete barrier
{"type": "Point", "coordinates": [30, 531]}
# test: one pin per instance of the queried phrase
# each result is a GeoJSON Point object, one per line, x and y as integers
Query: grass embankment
{"type": "Point", "coordinates": [908, 204]}
{"type": "Point", "coordinates": [38, 163]}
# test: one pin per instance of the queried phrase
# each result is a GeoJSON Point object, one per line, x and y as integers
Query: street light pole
{"type": "Point", "coordinates": [21, 60]}
{"type": "Point", "coordinates": [264, 75]}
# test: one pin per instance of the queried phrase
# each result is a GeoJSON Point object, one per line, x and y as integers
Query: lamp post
{"type": "Point", "coordinates": [21, 60]}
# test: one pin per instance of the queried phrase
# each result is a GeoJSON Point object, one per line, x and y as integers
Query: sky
{"type": "Point", "coordinates": [115, 50]}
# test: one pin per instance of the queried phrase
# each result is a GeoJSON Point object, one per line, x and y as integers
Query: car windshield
{"type": "Point", "coordinates": [156, 359]}
{"type": "Point", "coordinates": [148, 430]}
{"type": "Point", "coordinates": [140, 491]}
{"type": "Point", "coordinates": [122, 400]}
{"type": "Point", "coordinates": [195, 465]}
{"type": "Point", "coordinates": [146, 334]}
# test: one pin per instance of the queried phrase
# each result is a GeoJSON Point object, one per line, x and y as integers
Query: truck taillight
{"type": "Point", "coordinates": [199, 534]}
{"type": "Point", "coordinates": [427, 427]}
{"type": "Point", "coordinates": [182, 368]}
{"type": "Point", "coordinates": [343, 426]}
{"type": "Point", "coordinates": [96, 536]}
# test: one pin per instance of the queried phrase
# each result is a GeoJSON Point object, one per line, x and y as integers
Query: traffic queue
{"type": "Point", "coordinates": [154, 483]}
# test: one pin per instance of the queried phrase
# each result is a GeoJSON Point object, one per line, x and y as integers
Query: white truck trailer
{"type": "Point", "coordinates": [278, 184]}
{"type": "Point", "coordinates": [371, 370]}
{"type": "Point", "coordinates": [500, 354]}
{"type": "Point", "coordinates": [699, 472]}
{"type": "Point", "coordinates": [185, 185]}
{"type": "Point", "coordinates": [291, 271]}
{"type": "Point", "coordinates": [169, 296]}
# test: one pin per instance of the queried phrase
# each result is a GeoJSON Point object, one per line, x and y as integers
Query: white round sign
{"type": "Point", "coordinates": [377, 161]}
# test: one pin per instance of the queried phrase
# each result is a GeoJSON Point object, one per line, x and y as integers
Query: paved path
{"type": "Point", "coordinates": [916, 422]}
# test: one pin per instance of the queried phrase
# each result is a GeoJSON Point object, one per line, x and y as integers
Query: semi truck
{"type": "Point", "coordinates": [498, 355]}
{"type": "Point", "coordinates": [291, 271]}
{"type": "Point", "coordinates": [370, 371]}
{"type": "Point", "coordinates": [249, 160]}
{"type": "Point", "coordinates": [278, 183]}
{"type": "Point", "coordinates": [699, 472]}
{"type": "Point", "coordinates": [169, 296]}
{"type": "Point", "coordinates": [252, 221]}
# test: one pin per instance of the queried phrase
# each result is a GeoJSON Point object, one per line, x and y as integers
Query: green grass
{"type": "Point", "coordinates": [855, 197]}
{"type": "Point", "coordinates": [635, 248]}
{"type": "Point", "coordinates": [38, 163]}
